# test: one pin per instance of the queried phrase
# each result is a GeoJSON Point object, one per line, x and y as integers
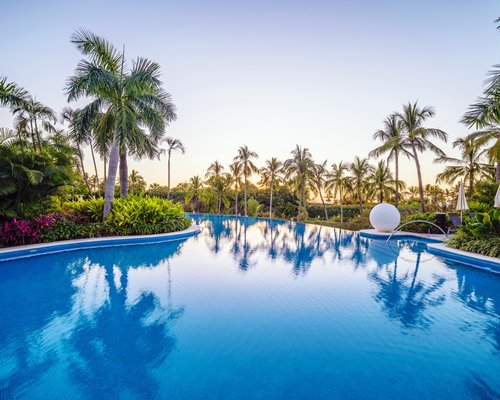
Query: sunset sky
{"type": "Point", "coordinates": [270, 74]}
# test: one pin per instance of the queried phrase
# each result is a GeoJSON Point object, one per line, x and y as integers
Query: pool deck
{"type": "Point", "coordinates": [440, 249]}
{"type": "Point", "coordinates": [30, 250]}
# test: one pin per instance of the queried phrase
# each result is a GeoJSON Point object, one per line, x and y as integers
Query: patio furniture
{"type": "Point", "coordinates": [455, 222]}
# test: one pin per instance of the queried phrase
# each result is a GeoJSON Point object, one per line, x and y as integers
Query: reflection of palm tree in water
{"type": "Point", "coordinates": [124, 344]}
{"type": "Point", "coordinates": [242, 249]}
{"type": "Point", "coordinates": [478, 290]}
{"type": "Point", "coordinates": [405, 298]}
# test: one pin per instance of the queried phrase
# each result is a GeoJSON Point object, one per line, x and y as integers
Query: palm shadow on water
{"type": "Point", "coordinates": [402, 294]}
{"type": "Point", "coordinates": [107, 342]}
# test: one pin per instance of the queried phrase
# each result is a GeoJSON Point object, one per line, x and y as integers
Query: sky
{"type": "Point", "coordinates": [270, 74]}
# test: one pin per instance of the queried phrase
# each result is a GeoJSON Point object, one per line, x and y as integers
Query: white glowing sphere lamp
{"type": "Point", "coordinates": [385, 217]}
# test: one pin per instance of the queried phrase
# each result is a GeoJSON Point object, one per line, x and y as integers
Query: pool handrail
{"type": "Point", "coordinates": [411, 222]}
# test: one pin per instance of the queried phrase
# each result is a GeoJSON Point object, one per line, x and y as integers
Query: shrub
{"type": "Point", "coordinates": [333, 211]}
{"type": "Point", "coordinates": [20, 231]}
{"type": "Point", "coordinates": [486, 245]}
{"type": "Point", "coordinates": [253, 207]}
{"type": "Point", "coordinates": [423, 227]}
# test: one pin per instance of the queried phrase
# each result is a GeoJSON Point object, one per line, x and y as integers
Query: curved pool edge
{"type": "Point", "coordinates": [373, 234]}
{"type": "Point", "coordinates": [12, 253]}
{"type": "Point", "coordinates": [491, 264]}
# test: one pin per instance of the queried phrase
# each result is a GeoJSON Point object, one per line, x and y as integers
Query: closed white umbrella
{"type": "Point", "coordinates": [497, 198]}
{"type": "Point", "coordinates": [462, 201]}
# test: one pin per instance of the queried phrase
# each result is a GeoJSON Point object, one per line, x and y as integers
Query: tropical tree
{"type": "Point", "coordinates": [125, 105]}
{"type": "Point", "coordinates": [29, 115]}
{"type": "Point", "coordinates": [382, 182]}
{"type": "Point", "coordinates": [11, 94]}
{"type": "Point", "coordinates": [393, 143]}
{"type": "Point", "coordinates": [172, 145]}
{"type": "Point", "coordinates": [319, 178]}
{"type": "Point", "coordinates": [416, 137]}
{"type": "Point", "coordinates": [236, 172]}
{"type": "Point", "coordinates": [468, 166]}
{"type": "Point", "coordinates": [136, 182]}
{"type": "Point", "coordinates": [340, 183]}
{"type": "Point", "coordinates": [245, 156]}
{"type": "Point", "coordinates": [194, 191]}
{"type": "Point", "coordinates": [270, 175]}
{"type": "Point", "coordinates": [214, 170]}
{"type": "Point", "coordinates": [360, 170]}
{"type": "Point", "coordinates": [299, 168]}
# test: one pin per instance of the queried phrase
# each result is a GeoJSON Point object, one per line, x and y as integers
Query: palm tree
{"type": "Point", "coordinates": [124, 103]}
{"type": "Point", "coordinates": [300, 168]}
{"type": "Point", "coordinates": [319, 179]}
{"type": "Point", "coordinates": [468, 166]}
{"type": "Point", "coordinates": [194, 191]}
{"type": "Point", "coordinates": [236, 172]}
{"type": "Point", "coordinates": [340, 183]}
{"type": "Point", "coordinates": [382, 181]}
{"type": "Point", "coordinates": [172, 145]}
{"type": "Point", "coordinates": [244, 157]}
{"type": "Point", "coordinates": [11, 94]}
{"type": "Point", "coordinates": [416, 137]}
{"type": "Point", "coordinates": [360, 170]}
{"type": "Point", "coordinates": [214, 170]}
{"type": "Point", "coordinates": [29, 114]}
{"type": "Point", "coordinates": [392, 139]}
{"type": "Point", "coordinates": [270, 176]}
{"type": "Point", "coordinates": [136, 182]}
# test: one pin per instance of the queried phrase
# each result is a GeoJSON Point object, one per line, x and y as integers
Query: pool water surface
{"type": "Point", "coordinates": [249, 309]}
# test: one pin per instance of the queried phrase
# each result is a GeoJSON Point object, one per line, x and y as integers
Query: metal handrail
{"type": "Point", "coordinates": [416, 220]}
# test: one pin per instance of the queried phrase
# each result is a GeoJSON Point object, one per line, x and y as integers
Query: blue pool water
{"type": "Point", "coordinates": [249, 309]}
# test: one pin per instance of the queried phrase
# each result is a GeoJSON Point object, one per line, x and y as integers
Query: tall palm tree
{"type": "Point", "coordinates": [360, 169]}
{"type": "Point", "coordinates": [416, 137]}
{"type": "Point", "coordinates": [172, 145]}
{"type": "Point", "coordinates": [29, 115]}
{"type": "Point", "coordinates": [270, 175]}
{"type": "Point", "coordinates": [319, 179]}
{"type": "Point", "coordinates": [245, 156]}
{"type": "Point", "coordinates": [340, 182]}
{"type": "Point", "coordinates": [393, 143]}
{"type": "Point", "coordinates": [469, 164]}
{"type": "Point", "coordinates": [299, 167]}
{"type": "Point", "coordinates": [382, 181]}
{"type": "Point", "coordinates": [236, 172]}
{"type": "Point", "coordinates": [11, 94]}
{"type": "Point", "coordinates": [124, 103]}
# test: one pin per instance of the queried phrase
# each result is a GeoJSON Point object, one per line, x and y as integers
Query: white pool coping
{"type": "Point", "coordinates": [442, 247]}
{"type": "Point", "coordinates": [106, 241]}
{"type": "Point", "coordinates": [385, 235]}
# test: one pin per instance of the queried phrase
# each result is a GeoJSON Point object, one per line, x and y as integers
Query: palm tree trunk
{"type": "Point", "coordinates": [303, 195]}
{"type": "Point", "coordinates": [360, 200]}
{"type": "Point", "coordinates": [109, 194]}
{"type": "Point", "coordinates": [245, 193]}
{"type": "Point", "coordinates": [324, 205]}
{"type": "Point", "coordinates": [497, 172]}
{"type": "Point", "coordinates": [38, 136]}
{"type": "Point", "coordinates": [32, 131]}
{"type": "Point", "coordinates": [341, 209]}
{"type": "Point", "coordinates": [123, 174]}
{"type": "Point", "coordinates": [396, 161]}
{"type": "Point", "coordinates": [419, 175]}
{"type": "Point", "coordinates": [95, 169]}
{"type": "Point", "coordinates": [85, 178]}
{"type": "Point", "coordinates": [236, 200]}
{"type": "Point", "coordinates": [271, 202]}
{"type": "Point", "coordinates": [168, 173]}
{"type": "Point", "coordinates": [105, 160]}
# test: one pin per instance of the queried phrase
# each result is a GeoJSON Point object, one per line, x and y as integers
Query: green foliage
{"type": "Point", "coordinates": [484, 224]}
{"type": "Point", "coordinates": [333, 211]}
{"type": "Point", "coordinates": [253, 207]}
{"type": "Point", "coordinates": [488, 245]}
{"type": "Point", "coordinates": [484, 192]}
{"type": "Point", "coordinates": [91, 208]}
{"type": "Point", "coordinates": [28, 178]}
{"type": "Point", "coordinates": [423, 227]}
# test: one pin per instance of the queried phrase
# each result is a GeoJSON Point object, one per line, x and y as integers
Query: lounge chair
{"type": "Point", "coordinates": [455, 222]}
{"type": "Point", "coordinates": [472, 214]}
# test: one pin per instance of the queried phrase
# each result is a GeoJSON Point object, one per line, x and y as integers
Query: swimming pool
{"type": "Point", "coordinates": [249, 309]}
